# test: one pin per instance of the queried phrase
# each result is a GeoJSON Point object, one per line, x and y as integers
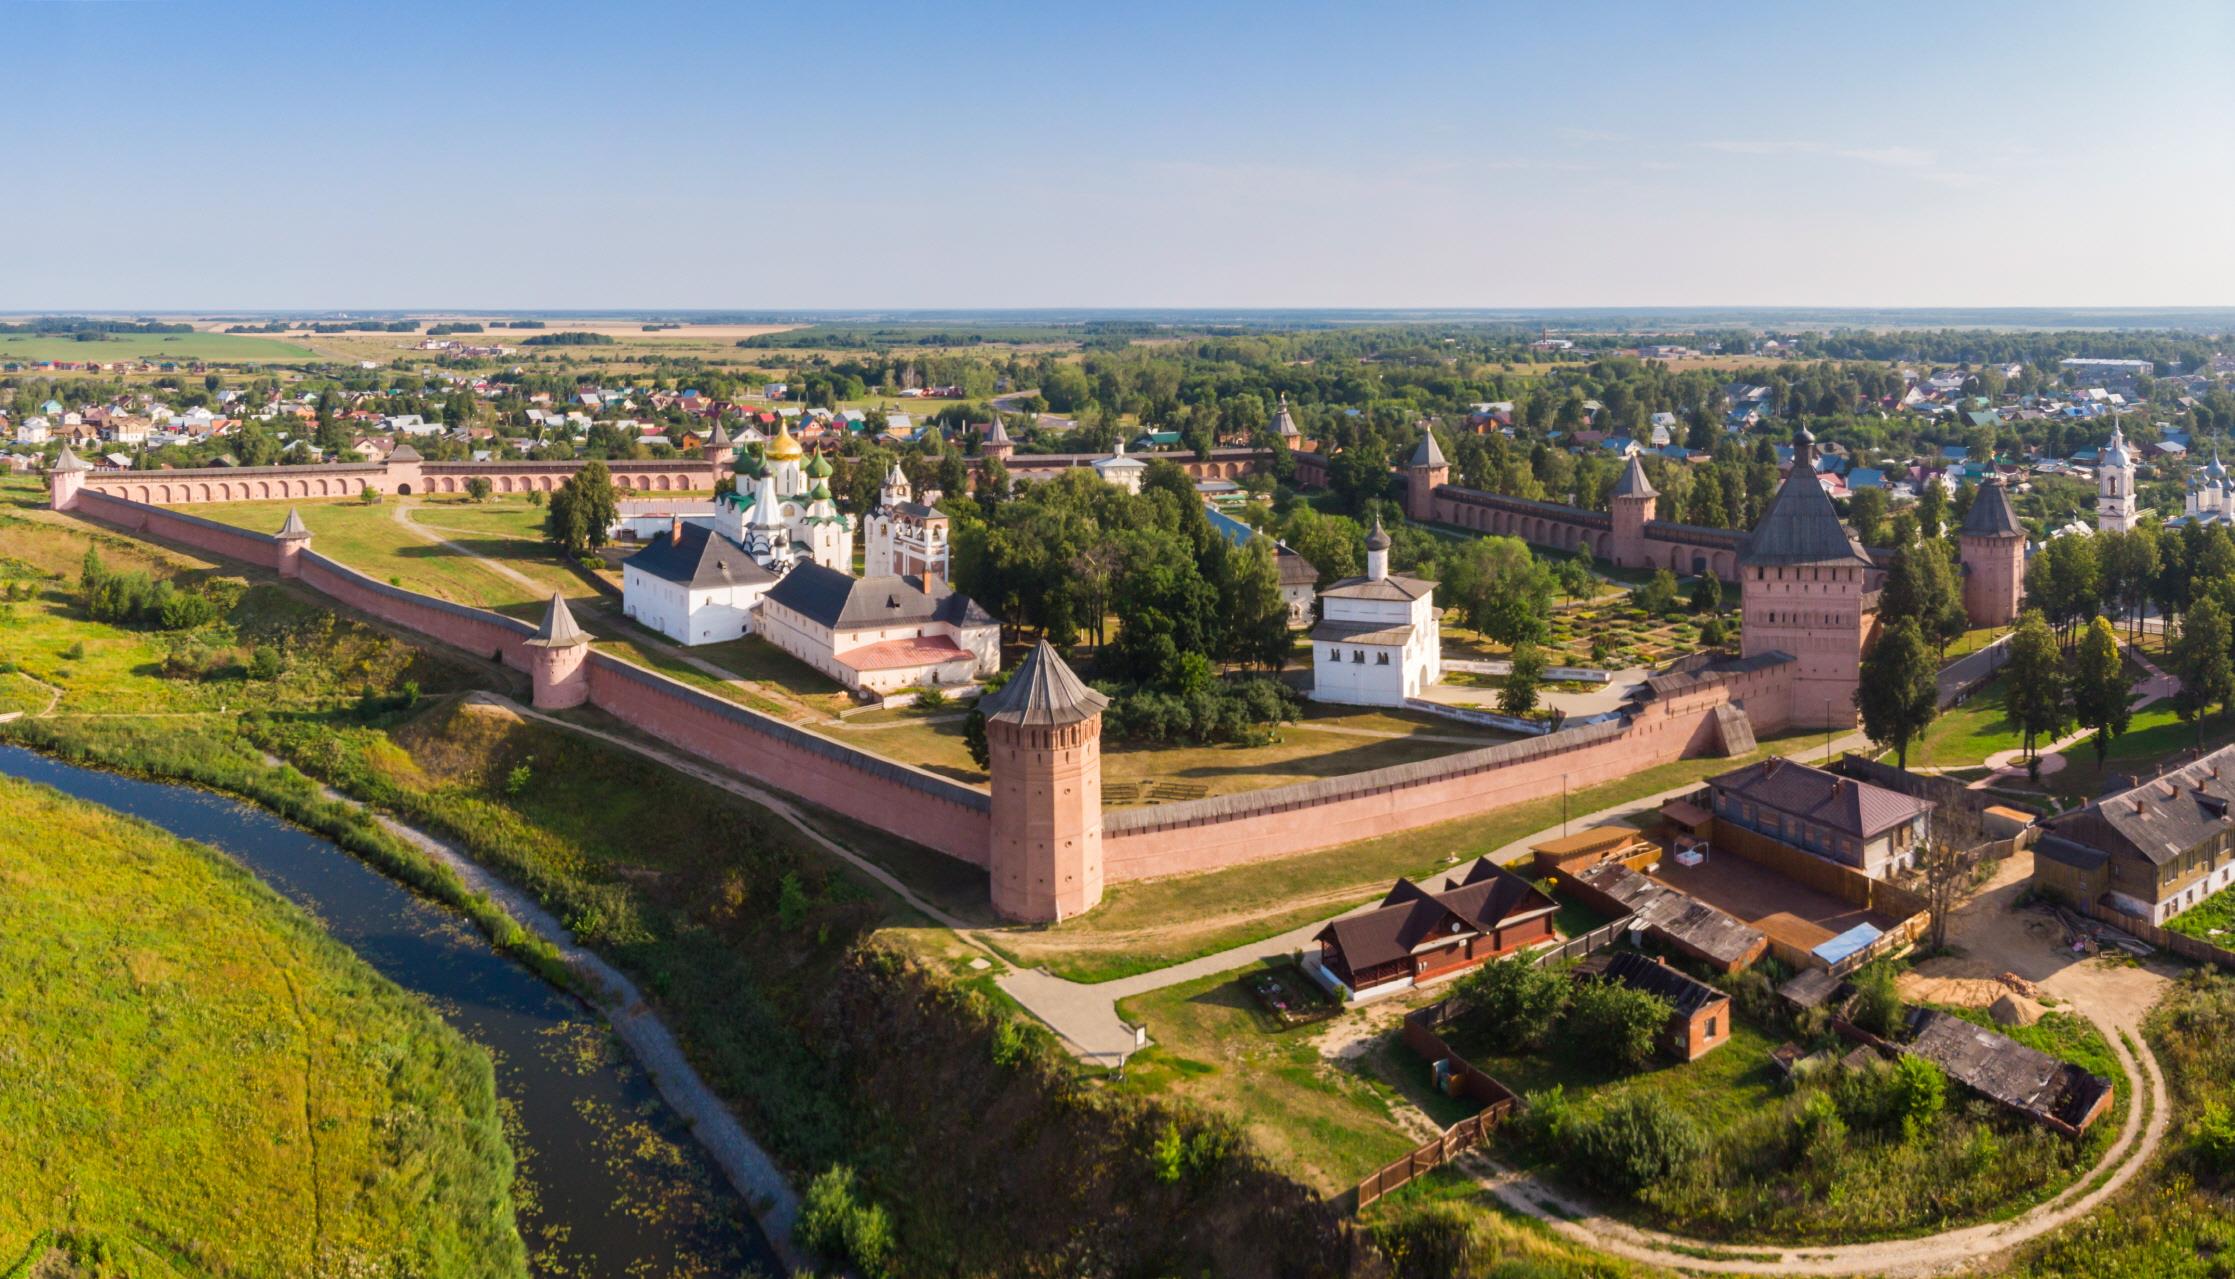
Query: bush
{"type": "Point", "coordinates": [1918, 1093]}
{"type": "Point", "coordinates": [1609, 1021]}
{"type": "Point", "coordinates": [791, 901]}
{"type": "Point", "coordinates": [1876, 1006]}
{"type": "Point", "coordinates": [835, 1223]}
{"type": "Point", "coordinates": [478, 489]}
{"type": "Point", "coordinates": [2211, 1138]}
{"type": "Point", "coordinates": [522, 775]}
{"type": "Point", "coordinates": [74, 653]}
{"type": "Point", "coordinates": [1240, 710]}
{"type": "Point", "coordinates": [931, 699]}
{"type": "Point", "coordinates": [1514, 1001]}
{"type": "Point", "coordinates": [1432, 1243]}
{"type": "Point", "coordinates": [264, 663]}
{"type": "Point", "coordinates": [1636, 1142]}
{"type": "Point", "coordinates": [369, 495]}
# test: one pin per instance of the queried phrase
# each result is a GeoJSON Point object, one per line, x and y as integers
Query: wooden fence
{"type": "Point", "coordinates": [1462, 1077]}
{"type": "Point", "coordinates": [1455, 1141]}
{"type": "Point", "coordinates": [2187, 947]}
{"type": "Point", "coordinates": [1590, 943]}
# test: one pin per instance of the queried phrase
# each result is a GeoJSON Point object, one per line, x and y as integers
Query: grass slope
{"type": "Point", "coordinates": [201, 1081]}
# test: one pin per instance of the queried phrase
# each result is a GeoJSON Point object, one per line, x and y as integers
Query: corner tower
{"type": "Point", "coordinates": [1044, 743]}
{"type": "Point", "coordinates": [1802, 574]}
{"type": "Point", "coordinates": [1632, 500]}
{"type": "Point", "coordinates": [1992, 544]}
{"type": "Point", "coordinates": [64, 479]}
{"type": "Point", "coordinates": [1424, 470]}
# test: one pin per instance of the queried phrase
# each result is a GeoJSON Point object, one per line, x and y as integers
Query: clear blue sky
{"type": "Point", "coordinates": [649, 154]}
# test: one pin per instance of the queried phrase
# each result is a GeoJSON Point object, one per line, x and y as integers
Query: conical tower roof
{"type": "Point", "coordinates": [1802, 527]}
{"type": "Point", "coordinates": [720, 436]}
{"type": "Point", "coordinates": [294, 527]}
{"type": "Point", "coordinates": [1990, 514]}
{"type": "Point", "coordinates": [996, 434]}
{"type": "Point", "coordinates": [1043, 692]}
{"type": "Point", "coordinates": [1426, 453]}
{"type": "Point", "coordinates": [1633, 482]}
{"type": "Point", "coordinates": [558, 629]}
{"type": "Point", "coordinates": [1284, 423]}
{"type": "Point", "coordinates": [70, 461]}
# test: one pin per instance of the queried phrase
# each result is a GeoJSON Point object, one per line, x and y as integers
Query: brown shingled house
{"type": "Point", "coordinates": [1870, 828]}
{"type": "Point", "coordinates": [1416, 935]}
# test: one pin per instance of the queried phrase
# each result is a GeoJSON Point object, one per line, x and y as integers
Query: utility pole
{"type": "Point", "coordinates": [1563, 805]}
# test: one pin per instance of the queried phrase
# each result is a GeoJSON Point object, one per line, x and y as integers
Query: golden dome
{"type": "Point", "coordinates": [784, 448]}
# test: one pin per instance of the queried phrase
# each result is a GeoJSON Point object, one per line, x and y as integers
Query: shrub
{"type": "Point", "coordinates": [791, 901]}
{"type": "Point", "coordinates": [1876, 1006]}
{"type": "Point", "coordinates": [74, 653]}
{"type": "Point", "coordinates": [522, 775]}
{"type": "Point", "coordinates": [478, 488]}
{"type": "Point", "coordinates": [2211, 1138]}
{"type": "Point", "coordinates": [535, 497]}
{"type": "Point", "coordinates": [931, 699]}
{"type": "Point", "coordinates": [835, 1223]}
{"type": "Point", "coordinates": [1515, 1001]}
{"type": "Point", "coordinates": [1918, 1092]}
{"type": "Point", "coordinates": [369, 495]}
{"type": "Point", "coordinates": [1819, 1132]}
{"type": "Point", "coordinates": [1546, 1122]}
{"type": "Point", "coordinates": [1195, 1155]}
{"type": "Point", "coordinates": [1432, 1243]}
{"type": "Point", "coordinates": [1610, 1021]}
{"type": "Point", "coordinates": [1637, 1141]}
{"type": "Point", "coordinates": [264, 663]}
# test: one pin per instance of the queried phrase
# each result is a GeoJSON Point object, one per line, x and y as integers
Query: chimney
{"type": "Point", "coordinates": [674, 529]}
{"type": "Point", "coordinates": [931, 583]}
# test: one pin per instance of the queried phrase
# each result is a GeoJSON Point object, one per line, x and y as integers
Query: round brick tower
{"type": "Point", "coordinates": [1044, 742]}
{"type": "Point", "coordinates": [1424, 471]}
{"type": "Point", "coordinates": [64, 479]}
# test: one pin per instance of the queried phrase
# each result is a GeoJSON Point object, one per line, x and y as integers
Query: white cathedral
{"type": "Point", "coordinates": [698, 583]}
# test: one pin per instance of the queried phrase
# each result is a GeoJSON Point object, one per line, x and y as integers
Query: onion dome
{"type": "Point", "coordinates": [818, 467]}
{"type": "Point", "coordinates": [747, 462]}
{"type": "Point", "coordinates": [785, 448]}
{"type": "Point", "coordinates": [1378, 540]}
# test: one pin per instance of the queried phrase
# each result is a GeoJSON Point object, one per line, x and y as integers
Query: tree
{"type": "Point", "coordinates": [2200, 659]}
{"type": "Point", "coordinates": [1932, 510]}
{"type": "Point", "coordinates": [1922, 585]}
{"type": "Point", "coordinates": [2100, 687]}
{"type": "Point", "coordinates": [1866, 511]}
{"type": "Point", "coordinates": [1900, 689]}
{"type": "Point", "coordinates": [2034, 691]}
{"type": "Point", "coordinates": [1707, 593]}
{"type": "Point", "coordinates": [1516, 1001]}
{"type": "Point", "coordinates": [1945, 871]}
{"type": "Point", "coordinates": [1641, 1138]}
{"type": "Point", "coordinates": [1500, 588]}
{"type": "Point", "coordinates": [478, 488]}
{"type": "Point", "coordinates": [1658, 595]}
{"type": "Point", "coordinates": [1249, 600]}
{"type": "Point", "coordinates": [583, 510]}
{"type": "Point", "coordinates": [1519, 696]}
{"type": "Point", "coordinates": [1612, 1022]}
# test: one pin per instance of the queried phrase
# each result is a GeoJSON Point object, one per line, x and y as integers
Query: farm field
{"type": "Point", "coordinates": [275, 1080]}
{"type": "Point", "coordinates": [152, 346]}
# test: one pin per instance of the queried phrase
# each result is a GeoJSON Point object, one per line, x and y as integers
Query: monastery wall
{"type": "Point", "coordinates": [259, 549]}
{"type": "Point", "coordinates": [1205, 834]}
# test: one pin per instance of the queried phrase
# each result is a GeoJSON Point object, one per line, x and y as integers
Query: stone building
{"type": "Point", "coordinates": [879, 634]}
{"type": "Point", "coordinates": [1992, 543]}
{"type": "Point", "coordinates": [1044, 750]}
{"type": "Point", "coordinates": [1378, 641]}
{"type": "Point", "coordinates": [1805, 581]}
{"type": "Point", "coordinates": [2114, 486]}
{"type": "Point", "coordinates": [907, 538]}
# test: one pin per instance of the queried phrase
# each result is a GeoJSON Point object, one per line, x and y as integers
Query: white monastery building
{"type": "Point", "coordinates": [907, 538]}
{"type": "Point", "coordinates": [1377, 642]}
{"type": "Point", "coordinates": [880, 634]}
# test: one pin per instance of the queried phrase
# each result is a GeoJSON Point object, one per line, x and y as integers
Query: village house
{"type": "Point", "coordinates": [1699, 1016]}
{"type": "Point", "coordinates": [1416, 936]}
{"type": "Point", "coordinates": [1870, 828]}
{"type": "Point", "coordinates": [2152, 849]}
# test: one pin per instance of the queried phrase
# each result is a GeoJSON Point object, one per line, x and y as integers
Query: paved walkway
{"type": "Point", "coordinates": [2008, 765]}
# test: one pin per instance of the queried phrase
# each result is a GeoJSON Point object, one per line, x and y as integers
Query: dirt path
{"type": "Point", "coordinates": [1995, 939]}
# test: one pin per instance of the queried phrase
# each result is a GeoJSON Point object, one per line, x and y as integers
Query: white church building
{"type": "Point", "coordinates": [1377, 642]}
{"type": "Point", "coordinates": [2114, 486]}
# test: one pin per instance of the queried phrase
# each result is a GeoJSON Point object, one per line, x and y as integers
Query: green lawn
{"type": "Point", "coordinates": [1969, 733]}
{"type": "Point", "coordinates": [1323, 1124]}
{"type": "Point", "coordinates": [1153, 923]}
{"type": "Point", "coordinates": [196, 1071]}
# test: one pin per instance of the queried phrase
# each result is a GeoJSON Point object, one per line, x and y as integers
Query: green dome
{"type": "Point", "coordinates": [821, 493]}
{"type": "Point", "coordinates": [819, 467]}
{"type": "Point", "coordinates": [746, 464]}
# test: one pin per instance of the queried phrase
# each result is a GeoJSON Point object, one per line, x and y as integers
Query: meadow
{"type": "Point", "coordinates": [152, 346]}
{"type": "Point", "coordinates": [201, 1082]}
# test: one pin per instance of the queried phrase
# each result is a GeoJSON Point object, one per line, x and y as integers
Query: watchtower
{"type": "Point", "coordinates": [1044, 742]}
{"type": "Point", "coordinates": [1424, 470]}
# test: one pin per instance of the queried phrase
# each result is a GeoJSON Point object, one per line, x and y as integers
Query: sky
{"type": "Point", "coordinates": [173, 155]}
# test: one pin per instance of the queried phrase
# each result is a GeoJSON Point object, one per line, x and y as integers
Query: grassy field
{"type": "Point", "coordinates": [201, 1082]}
{"type": "Point", "coordinates": [1153, 923]}
{"type": "Point", "coordinates": [1327, 1126]}
{"type": "Point", "coordinates": [152, 346]}
{"type": "Point", "coordinates": [1967, 734]}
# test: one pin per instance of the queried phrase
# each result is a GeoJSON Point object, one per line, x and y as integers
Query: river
{"type": "Point", "coordinates": [612, 1182]}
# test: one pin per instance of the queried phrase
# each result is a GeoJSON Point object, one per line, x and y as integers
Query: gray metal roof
{"type": "Point", "coordinates": [558, 629]}
{"type": "Point", "coordinates": [842, 602]}
{"type": "Point", "coordinates": [1633, 482]}
{"type": "Point", "coordinates": [2162, 818]}
{"type": "Point", "coordinates": [1043, 692]}
{"type": "Point", "coordinates": [1396, 586]}
{"type": "Point", "coordinates": [1378, 634]}
{"type": "Point", "coordinates": [1426, 453]}
{"type": "Point", "coordinates": [1378, 540]}
{"type": "Point", "coordinates": [1840, 803]}
{"type": "Point", "coordinates": [1990, 514]}
{"type": "Point", "coordinates": [698, 556]}
{"type": "Point", "coordinates": [294, 527]}
{"type": "Point", "coordinates": [1801, 526]}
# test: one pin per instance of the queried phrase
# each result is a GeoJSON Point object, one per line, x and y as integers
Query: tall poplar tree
{"type": "Point", "coordinates": [2099, 686]}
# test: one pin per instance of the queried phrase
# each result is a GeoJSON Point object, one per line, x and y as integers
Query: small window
{"type": "Point", "coordinates": [1381, 659]}
{"type": "Point", "coordinates": [1711, 1028]}
{"type": "Point", "coordinates": [1358, 656]}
